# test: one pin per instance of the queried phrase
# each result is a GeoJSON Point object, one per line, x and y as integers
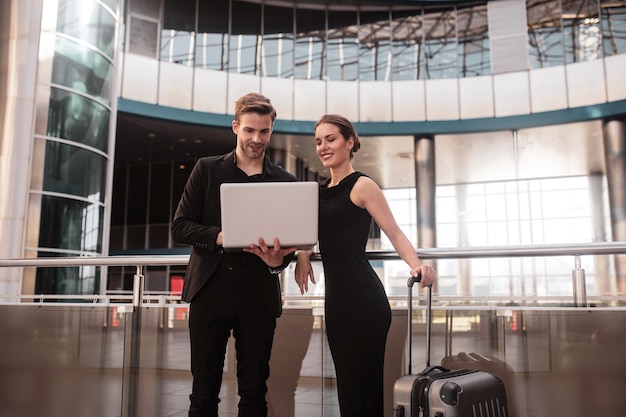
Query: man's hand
{"type": "Point", "coordinates": [273, 257]}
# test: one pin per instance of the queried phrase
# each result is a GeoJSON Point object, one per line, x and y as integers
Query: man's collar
{"type": "Point", "coordinates": [268, 168]}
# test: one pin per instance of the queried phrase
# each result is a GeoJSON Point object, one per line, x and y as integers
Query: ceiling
{"type": "Point", "coordinates": [554, 151]}
{"type": "Point", "coordinates": [141, 140]}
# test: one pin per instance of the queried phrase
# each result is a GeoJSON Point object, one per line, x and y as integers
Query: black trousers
{"type": "Point", "coordinates": [240, 298]}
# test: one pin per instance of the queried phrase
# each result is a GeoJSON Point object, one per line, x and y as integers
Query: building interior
{"type": "Point", "coordinates": [496, 129]}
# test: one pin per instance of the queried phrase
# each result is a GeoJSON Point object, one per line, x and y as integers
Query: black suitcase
{"type": "Point", "coordinates": [441, 392]}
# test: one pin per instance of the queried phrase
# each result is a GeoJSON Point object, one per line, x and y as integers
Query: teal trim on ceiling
{"type": "Point", "coordinates": [615, 109]}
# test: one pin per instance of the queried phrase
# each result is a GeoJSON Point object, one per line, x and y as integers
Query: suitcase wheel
{"type": "Point", "coordinates": [450, 393]}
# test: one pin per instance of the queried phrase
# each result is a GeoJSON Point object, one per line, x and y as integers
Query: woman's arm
{"type": "Point", "coordinates": [366, 194]}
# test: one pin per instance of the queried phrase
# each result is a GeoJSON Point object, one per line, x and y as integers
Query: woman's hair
{"type": "Point", "coordinates": [345, 128]}
{"type": "Point", "coordinates": [254, 102]}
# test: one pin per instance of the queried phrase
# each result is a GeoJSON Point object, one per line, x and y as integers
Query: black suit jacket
{"type": "Point", "coordinates": [197, 220]}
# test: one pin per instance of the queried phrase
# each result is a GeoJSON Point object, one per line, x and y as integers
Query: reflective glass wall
{"type": "Point", "coordinates": [396, 42]}
{"type": "Point", "coordinates": [72, 141]}
{"type": "Point", "coordinates": [564, 32]}
{"type": "Point", "coordinates": [314, 42]}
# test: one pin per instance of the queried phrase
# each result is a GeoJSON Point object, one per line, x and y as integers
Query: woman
{"type": "Point", "coordinates": [357, 310]}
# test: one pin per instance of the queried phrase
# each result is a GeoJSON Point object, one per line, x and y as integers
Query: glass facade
{"type": "Point", "coordinates": [74, 144]}
{"type": "Point", "coordinates": [145, 196]}
{"type": "Point", "coordinates": [523, 212]}
{"type": "Point", "coordinates": [564, 32]}
{"type": "Point", "coordinates": [502, 213]}
{"type": "Point", "coordinates": [377, 43]}
{"type": "Point", "coordinates": [613, 27]}
{"type": "Point", "coordinates": [314, 43]}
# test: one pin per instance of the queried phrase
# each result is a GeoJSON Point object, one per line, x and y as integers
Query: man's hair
{"type": "Point", "coordinates": [254, 102]}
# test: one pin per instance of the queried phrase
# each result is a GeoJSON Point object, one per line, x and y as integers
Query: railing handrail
{"type": "Point", "coordinates": [573, 249]}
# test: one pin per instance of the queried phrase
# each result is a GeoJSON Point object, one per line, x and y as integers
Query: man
{"type": "Point", "coordinates": [236, 292]}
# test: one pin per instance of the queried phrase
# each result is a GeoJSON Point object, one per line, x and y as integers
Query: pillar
{"type": "Point", "coordinates": [463, 281]}
{"type": "Point", "coordinates": [614, 133]}
{"type": "Point", "coordinates": [425, 191]}
{"type": "Point", "coordinates": [601, 262]}
{"type": "Point", "coordinates": [19, 36]}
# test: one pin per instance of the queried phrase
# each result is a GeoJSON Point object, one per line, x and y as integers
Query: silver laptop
{"type": "Point", "coordinates": [286, 210]}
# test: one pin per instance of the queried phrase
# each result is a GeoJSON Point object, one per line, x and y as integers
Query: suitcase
{"type": "Point", "coordinates": [491, 364]}
{"type": "Point", "coordinates": [441, 392]}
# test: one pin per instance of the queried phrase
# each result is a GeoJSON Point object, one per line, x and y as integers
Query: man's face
{"type": "Point", "coordinates": [253, 134]}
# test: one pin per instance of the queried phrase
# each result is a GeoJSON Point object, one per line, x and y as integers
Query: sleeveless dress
{"type": "Point", "coordinates": [357, 310]}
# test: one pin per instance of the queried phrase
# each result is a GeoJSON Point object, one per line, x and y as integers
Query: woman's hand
{"type": "Point", "coordinates": [429, 276]}
{"type": "Point", "coordinates": [304, 271]}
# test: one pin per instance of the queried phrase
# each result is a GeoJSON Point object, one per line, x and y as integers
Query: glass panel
{"type": "Point", "coordinates": [383, 55]}
{"type": "Point", "coordinates": [613, 23]}
{"type": "Point", "coordinates": [440, 45]}
{"type": "Point", "coordinates": [77, 67]}
{"type": "Point", "coordinates": [544, 33]}
{"type": "Point", "coordinates": [309, 52]}
{"type": "Point", "coordinates": [89, 22]}
{"type": "Point", "coordinates": [407, 33]}
{"type": "Point", "coordinates": [157, 278]}
{"type": "Point", "coordinates": [120, 279]}
{"type": "Point", "coordinates": [555, 211]}
{"type": "Point", "coordinates": [116, 239]}
{"type": "Point", "coordinates": [71, 356]}
{"type": "Point", "coordinates": [581, 30]}
{"type": "Point", "coordinates": [182, 170]}
{"type": "Point", "coordinates": [111, 3]}
{"type": "Point", "coordinates": [149, 8]}
{"type": "Point", "coordinates": [79, 119]}
{"type": "Point", "coordinates": [158, 236]}
{"type": "Point", "coordinates": [178, 33]}
{"type": "Point", "coordinates": [495, 206]}
{"type": "Point", "coordinates": [143, 37]}
{"type": "Point", "coordinates": [84, 280]}
{"type": "Point", "coordinates": [278, 42]}
{"type": "Point", "coordinates": [135, 237]}
{"type": "Point", "coordinates": [70, 225]}
{"type": "Point", "coordinates": [74, 170]}
{"type": "Point", "coordinates": [244, 52]}
{"type": "Point", "coordinates": [137, 195]}
{"type": "Point", "coordinates": [374, 46]}
{"type": "Point", "coordinates": [160, 181]}
{"type": "Point", "coordinates": [118, 201]}
{"type": "Point", "coordinates": [473, 30]}
{"type": "Point", "coordinates": [212, 41]}
{"type": "Point", "coordinates": [342, 48]}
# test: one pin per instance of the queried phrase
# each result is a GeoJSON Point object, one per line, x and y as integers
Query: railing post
{"type": "Point", "coordinates": [132, 345]}
{"type": "Point", "coordinates": [579, 284]}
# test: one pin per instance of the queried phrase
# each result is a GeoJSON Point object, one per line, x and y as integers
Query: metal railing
{"type": "Point", "coordinates": [137, 299]}
{"type": "Point", "coordinates": [576, 250]}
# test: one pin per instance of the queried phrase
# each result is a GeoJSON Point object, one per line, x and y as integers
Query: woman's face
{"type": "Point", "coordinates": [331, 147]}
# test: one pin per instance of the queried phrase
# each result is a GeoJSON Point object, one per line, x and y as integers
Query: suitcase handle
{"type": "Point", "coordinates": [412, 280]}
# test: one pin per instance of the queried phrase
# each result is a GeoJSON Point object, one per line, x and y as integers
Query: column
{"type": "Point", "coordinates": [19, 37]}
{"type": "Point", "coordinates": [614, 133]}
{"type": "Point", "coordinates": [601, 262]}
{"type": "Point", "coordinates": [425, 191]}
{"type": "Point", "coordinates": [463, 281]}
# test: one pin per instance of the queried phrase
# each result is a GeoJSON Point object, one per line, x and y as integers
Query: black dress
{"type": "Point", "coordinates": [357, 310]}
